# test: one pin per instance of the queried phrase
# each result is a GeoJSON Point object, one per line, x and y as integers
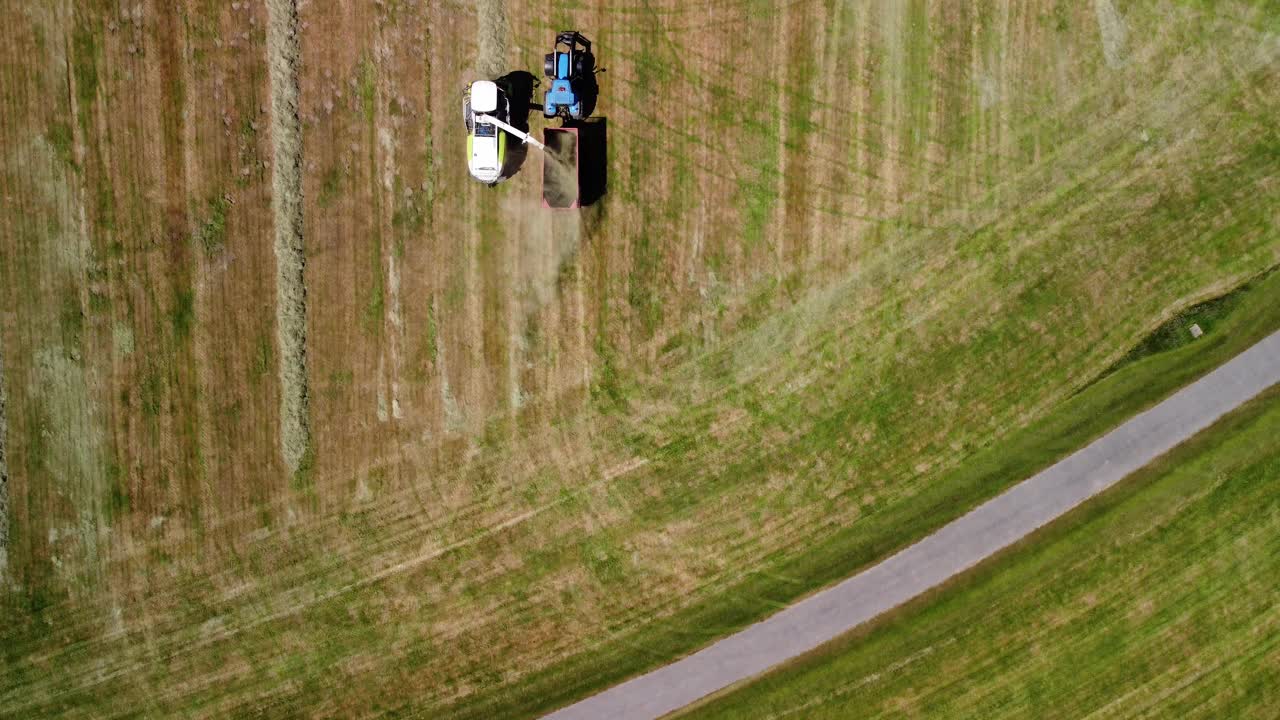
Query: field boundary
{"type": "Point", "coordinates": [1146, 482]}
{"type": "Point", "coordinates": [956, 547]}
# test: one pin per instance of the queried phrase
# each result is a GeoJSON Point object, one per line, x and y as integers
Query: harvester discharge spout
{"type": "Point", "coordinates": [524, 136]}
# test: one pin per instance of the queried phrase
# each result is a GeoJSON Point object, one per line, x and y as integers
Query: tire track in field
{"type": "Point", "coordinates": [386, 153]}
{"type": "Point", "coordinates": [4, 480]}
{"type": "Point", "coordinates": [169, 646]}
{"type": "Point", "coordinates": [286, 203]}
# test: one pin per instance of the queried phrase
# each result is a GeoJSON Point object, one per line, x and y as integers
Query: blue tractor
{"type": "Point", "coordinates": [573, 90]}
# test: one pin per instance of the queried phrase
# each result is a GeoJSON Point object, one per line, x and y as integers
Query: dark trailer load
{"type": "Point", "coordinates": [561, 187]}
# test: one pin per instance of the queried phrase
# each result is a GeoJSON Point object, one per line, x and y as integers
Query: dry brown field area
{"type": "Point", "coordinates": [325, 428]}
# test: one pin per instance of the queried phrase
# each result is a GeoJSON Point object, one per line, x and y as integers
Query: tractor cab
{"type": "Point", "coordinates": [572, 69]}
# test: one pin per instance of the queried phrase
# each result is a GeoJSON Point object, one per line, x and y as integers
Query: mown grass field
{"type": "Point", "coordinates": [1157, 598]}
{"type": "Point", "coordinates": [1239, 319]}
{"type": "Point", "coordinates": [833, 270]}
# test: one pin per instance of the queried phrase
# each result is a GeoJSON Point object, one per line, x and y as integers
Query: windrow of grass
{"type": "Point", "coordinates": [1156, 598]}
{"type": "Point", "coordinates": [286, 183]}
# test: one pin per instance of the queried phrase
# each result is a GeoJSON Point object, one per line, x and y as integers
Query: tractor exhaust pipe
{"type": "Point", "coordinates": [524, 136]}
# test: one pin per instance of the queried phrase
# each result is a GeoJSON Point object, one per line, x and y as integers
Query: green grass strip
{"type": "Point", "coordinates": [1158, 596]}
{"type": "Point", "coordinates": [1126, 391]}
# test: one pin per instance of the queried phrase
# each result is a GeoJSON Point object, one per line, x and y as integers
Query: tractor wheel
{"type": "Point", "coordinates": [549, 64]}
{"type": "Point", "coordinates": [584, 64]}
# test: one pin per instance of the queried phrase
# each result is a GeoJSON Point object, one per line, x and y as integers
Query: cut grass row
{"type": "Point", "coordinates": [1158, 597]}
{"type": "Point", "coordinates": [286, 178]}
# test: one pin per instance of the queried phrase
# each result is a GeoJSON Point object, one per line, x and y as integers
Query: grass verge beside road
{"type": "Point", "coordinates": [1127, 390]}
{"type": "Point", "coordinates": [1157, 596]}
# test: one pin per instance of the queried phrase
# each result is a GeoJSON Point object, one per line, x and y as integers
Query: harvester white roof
{"type": "Point", "coordinates": [484, 96]}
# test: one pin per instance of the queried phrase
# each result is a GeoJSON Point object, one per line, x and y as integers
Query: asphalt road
{"type": "Point", "coordinates": [952, 549]}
